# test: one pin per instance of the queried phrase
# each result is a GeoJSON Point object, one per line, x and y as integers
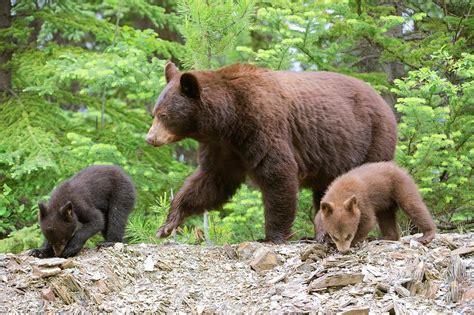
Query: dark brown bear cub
{"type": "Point", "coordinates": [367, 194]}
{"type": "Point", "coordinates": [100, 198]}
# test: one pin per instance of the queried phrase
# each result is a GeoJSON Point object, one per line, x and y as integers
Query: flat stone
{"type": "Point", "coordinates": [335, 280]}
{"type": "Point", "coordinates": [149, 264]}
{"type": "Point", "coordinates": [49, 262]}
{"type": "Point", "coordinates": [246, 250]}
{"type": "Point", "coordinates": [463, 251]}
{"type": "Point", "coordinates": [468, 295]}
{"type": "Point", "coordinates": [264, 259]}
{"type": "Point", "coordinates": [355, 311]}
{"type": "Point", "coordinates": [46, 272]}
{"type": "Point", "coordinates": [119, 247]}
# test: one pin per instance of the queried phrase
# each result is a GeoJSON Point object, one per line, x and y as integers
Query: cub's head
{"type": "Point", "coordinates": [57, 225]}
{"type": "Point", "coordinates": [177, 108]}
{"type": "Point", "coordinates": [341, 222]}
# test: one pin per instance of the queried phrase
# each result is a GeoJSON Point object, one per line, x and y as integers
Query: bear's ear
{"type": "Point", "coordinates": [190, 85]}
{"type": "Point", "coordinates": [327, 208]}
{"type": "Point", "coordinates": [43, 210]}
{"type": "Point", "coordinates": [350, 204]}
{"type": "Point", "coordinates": [67, 212]}
{"type": "Point", "coordinates": [170, 71]}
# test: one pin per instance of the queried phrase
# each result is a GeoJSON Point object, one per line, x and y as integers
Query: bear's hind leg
{"type": "Point", "coordinates": [115, 230]}
{"type": "Point", "coordinates": [387, 222]}
{"type": "Point", "coordinates": [409, 199]}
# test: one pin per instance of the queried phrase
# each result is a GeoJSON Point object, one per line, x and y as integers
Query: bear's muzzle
{"type": "Point", "coordinates": [158, 135]}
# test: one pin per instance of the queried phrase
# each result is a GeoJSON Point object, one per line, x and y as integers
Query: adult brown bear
{"type": "Point", "coordinates": [284, 129]}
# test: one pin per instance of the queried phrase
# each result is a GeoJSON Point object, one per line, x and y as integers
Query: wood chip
{"type": "Point", "coordinates": [463, 251]}
{"type": "Point", "coordinates": [355, 311]}
{"type": "Point", "coordinates": [403, 292]}
{"type": "Point", "coordinates": [48, 294]}
{"type": "Point", "coordinates": [46, 272]}
{"type": "Point", "coordinates": [335, 280]}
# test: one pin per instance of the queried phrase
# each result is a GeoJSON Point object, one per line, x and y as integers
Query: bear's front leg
{"type": "Point", "coordinates": [204, 190]}
{"type": "Point", "coordinates": [277, 177]}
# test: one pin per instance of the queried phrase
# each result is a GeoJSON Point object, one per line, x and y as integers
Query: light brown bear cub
{"type": "Point", "coordinates": [367, 194]}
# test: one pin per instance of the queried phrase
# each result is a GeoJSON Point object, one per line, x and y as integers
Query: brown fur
{"type": "Point", "coordinates": [371, 193]}
{"type": "Point", "coordinates": [285, 130]}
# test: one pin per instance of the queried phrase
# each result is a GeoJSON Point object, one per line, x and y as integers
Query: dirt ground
{"type": "Point", "coordinates": [376, 277]}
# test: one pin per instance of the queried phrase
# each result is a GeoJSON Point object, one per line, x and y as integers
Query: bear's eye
{"type": "Point", "coordinates": [348, 237]}
{"type": "Point", "coordinates": [335, 238]}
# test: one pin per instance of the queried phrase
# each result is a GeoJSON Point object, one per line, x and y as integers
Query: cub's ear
{"type": "Point", "coordinates": [350, 203]}
{"type": "Point", "coordinates": [170, 71]}
{"type": "Point", "coordinates": [43, 210]}
{"type": "Point", "coordinates": [190, 85]}
{"type": "Point", "coordinates": [327, 208]}
{"type": "Point", "coordinates": [67, 212]}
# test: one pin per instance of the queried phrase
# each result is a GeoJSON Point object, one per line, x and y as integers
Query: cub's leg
{"type": "Point", "coordinates": [409, 199]}
{"type": "Point", "coordinates": [89, 228]}
{"type": "Point", "coordinates": [120, 207]}
{"type": "Point", "coordinates": [319, 231]}
{"type": "Point", "coordinates": [366, 224]}
{"type": "Point", "coordinates": [45, 251]}
{"type": "Point", "coordinates": [387, 221]}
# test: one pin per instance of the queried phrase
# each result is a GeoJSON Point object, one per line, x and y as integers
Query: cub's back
{"type": "Point", "coordinates": [372, 180]}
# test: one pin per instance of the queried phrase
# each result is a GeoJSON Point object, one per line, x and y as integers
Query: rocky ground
{"type": "Point", "coordinates": [380, 276]}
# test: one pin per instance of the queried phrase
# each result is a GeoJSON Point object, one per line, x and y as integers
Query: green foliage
{"type": "Point", "coordinates": [435, 133]}
{"type": "Point", "coordinates": [244, 219]}
{"type": "Point", "coordinates": [211, 29]}
{"type": "Point", "coordinates": [21, 240]}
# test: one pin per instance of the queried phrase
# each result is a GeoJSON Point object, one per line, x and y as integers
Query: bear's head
{"type": "Point", "coordinates": [341, 222]}
{"type": "Point", "coordinates": [57, 225]}
{"type": "Point", "coordinates": [178, 108]}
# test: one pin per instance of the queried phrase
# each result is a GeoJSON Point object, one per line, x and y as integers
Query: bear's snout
{"type": "Point", "coordinates": [158, 135]}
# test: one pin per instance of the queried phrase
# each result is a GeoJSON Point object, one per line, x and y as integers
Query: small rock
{"type": "Point", "coordinates": [335, 280]}
{"type": "Point", "coordinates": [49, 262]}
{"type": "Point", "coordinates": [230, 251]}
{"type": "Point", "coordinates": [468, 295]}
{"type": "Point", "coordinates": [48, 294]}
{"type": "Point", "coordinates": [463, 251]}
{"type": "Point", "coordinates": [245, 250]}
{"type": "Point", "coordinates": [96, 276]}
{"type": "Point", "coordinates": [264, 259]}
{"type": "Point", "coordinates": [119, 247]}
{"type": "Point", "coordinates": [67, 264]}
{"type": "Point", "coordinates": [315, 252]}
{"type": "Point", "coordinates": [355, 311]}
{"type": "Point", "coordinates": [403, 292]}
{"type": "Point", "coordinates": [46, 272]}
{"type": "Point", "coordinates": [148, 264]}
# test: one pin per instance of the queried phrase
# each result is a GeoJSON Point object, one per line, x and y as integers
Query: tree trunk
{"type": "Point", "coordinates": [5, 56]}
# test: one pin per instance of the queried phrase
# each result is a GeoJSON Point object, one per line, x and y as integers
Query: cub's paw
{"type": "Point", "coordinates": [105, 244]}
{"type": "Point", "coordinates": [37, 252]}
{"type": "Point", "coordinates": [70, 252]}
{"type": "Point", "coordinates": [322, 238]}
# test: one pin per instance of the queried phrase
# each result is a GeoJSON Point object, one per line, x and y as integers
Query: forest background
{"type": "Point", "coordinates": [78, 80]}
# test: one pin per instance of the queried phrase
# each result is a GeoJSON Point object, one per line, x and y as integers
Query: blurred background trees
{"type": "Point", "coordinates": [78, 80]}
